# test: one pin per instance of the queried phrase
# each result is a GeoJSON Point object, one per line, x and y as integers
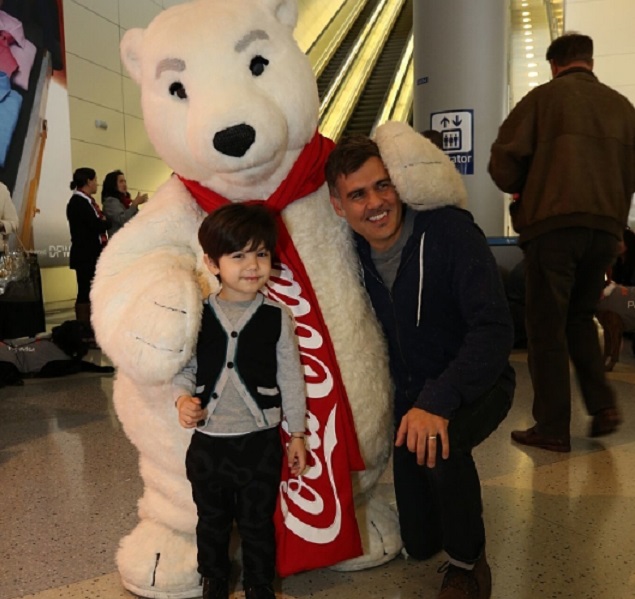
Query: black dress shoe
{"type": "Point", "coordinates": [532, 438]}
{"type": "Point", "coordinates": [605, 422]}
{"type": "Point", "coordinates": [261, 591]}
{"type": "Point", "coordinates": [215, 588]}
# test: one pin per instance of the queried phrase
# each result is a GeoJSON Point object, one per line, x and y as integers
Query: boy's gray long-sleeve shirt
{"type": "Point", "coordinates": [236, 413]}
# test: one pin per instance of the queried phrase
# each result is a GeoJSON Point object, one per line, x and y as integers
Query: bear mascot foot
{"type": "Point", "coordinates": [379, 527]}
{"type": "Point", "coordinates": [159, 563]}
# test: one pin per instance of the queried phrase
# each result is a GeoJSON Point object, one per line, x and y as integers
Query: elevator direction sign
{"type": "Point", "coordinates": [457, 131]}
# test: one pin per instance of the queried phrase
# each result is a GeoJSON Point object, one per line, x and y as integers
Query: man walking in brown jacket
{"type": "Point", "coordinates": [568, 151]}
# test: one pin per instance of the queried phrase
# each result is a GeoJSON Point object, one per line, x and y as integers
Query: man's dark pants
{"type": "Point", "coordinates": [440, 507]}
{"type": "Point", "coordinates": [565, 272]}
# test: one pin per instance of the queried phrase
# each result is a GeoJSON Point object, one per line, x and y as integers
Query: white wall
{"type": "Point", "coordinates": [100, 89]}
{"type": "Point", "coordinates": [611, 24]}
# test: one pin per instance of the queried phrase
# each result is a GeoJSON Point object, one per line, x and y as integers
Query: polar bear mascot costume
{"type": "Point", "coordinates": [230, 103]}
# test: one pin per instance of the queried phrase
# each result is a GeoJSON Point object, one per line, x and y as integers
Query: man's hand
{"type": "Point", "coordinates": [190, 411]}
{"type": "Point", "coordinates": [422, 431]}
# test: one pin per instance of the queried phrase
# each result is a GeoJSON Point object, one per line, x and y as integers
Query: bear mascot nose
{"type": "Point", "coordinates": [235, 141]}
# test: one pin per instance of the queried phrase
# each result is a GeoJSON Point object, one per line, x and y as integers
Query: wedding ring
{"type": "Point", "coordinates": [432, 437]}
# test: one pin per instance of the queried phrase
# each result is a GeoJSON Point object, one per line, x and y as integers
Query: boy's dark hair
{"type": "Point", "coordinates": [347, 157]}
{"type": "Point", "coordinates": [571, 47]}
{"type": "Point", "coordinates": [230, 228]}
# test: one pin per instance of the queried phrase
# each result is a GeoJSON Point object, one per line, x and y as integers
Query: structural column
{"type": "Point", "coordinates": [461, 83]}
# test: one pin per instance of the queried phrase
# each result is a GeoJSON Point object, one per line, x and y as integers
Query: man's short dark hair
{"type": "Point", "coordinates": [230, 228]}
{"type": "Point", "coordinates": [571, 47]}
{"type": "Point", "coordinates": [348, 156]}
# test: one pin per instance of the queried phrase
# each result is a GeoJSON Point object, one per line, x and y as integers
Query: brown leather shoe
{"type": "Point", "coordinates": [605, 422]}
{"type": "Point", "coordinates": [533, 438]}
{"type": "Point", "coordinates": [466, 584]}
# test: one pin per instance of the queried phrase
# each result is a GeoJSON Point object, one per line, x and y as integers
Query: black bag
{"type": "Point", "coordinates": [21, 305]}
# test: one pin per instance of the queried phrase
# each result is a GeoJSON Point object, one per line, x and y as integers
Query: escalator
{"type": "Point", "coordinates": [373, 96]}
{"type": "Point", "coordinates": [339, 57]}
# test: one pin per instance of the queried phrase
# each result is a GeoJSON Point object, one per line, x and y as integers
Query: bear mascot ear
{"type": "Point", "coordinates": [131, 52]}
{"type": "Point", "coordinates": [286, 11]}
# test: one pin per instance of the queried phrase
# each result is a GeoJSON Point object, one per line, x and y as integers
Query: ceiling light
{"type": "Point", "coordinates": [529, 55]}
{"type": "Point", "coordinates": [529, 47]}
{"type": "Point", "coordinates": [526, 26]}
{"type": "Point", "coordinates": [528, 39]}
{"type": "Point", "coordinates": [533, 73]}
{"type": "Point", "coordinates": [531, 65]}
{"type": "Point", "coordinates": [533, 83]}
{"type": "Point", "coordinates": [526, 20]}
{"type": "Point", "coordinates": [526, 13]}
{"type": "Point", "coordinates": [528, 33]}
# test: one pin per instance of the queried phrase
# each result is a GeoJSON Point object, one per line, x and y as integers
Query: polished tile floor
{"type": "Point", "coordinates": [559, 525]}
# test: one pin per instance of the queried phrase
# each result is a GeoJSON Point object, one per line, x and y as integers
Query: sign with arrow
{"type": "Point", "coordinates": [457, 130]}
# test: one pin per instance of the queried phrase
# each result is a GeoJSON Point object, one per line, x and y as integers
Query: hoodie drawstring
{"type": "Point", "coordinates": [420, 277]}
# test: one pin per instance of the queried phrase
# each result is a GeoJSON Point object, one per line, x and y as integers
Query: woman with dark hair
{"type": "Point", "coordinates": [89, 227]}
{"type": "Point", "coordinates": [119, 207]}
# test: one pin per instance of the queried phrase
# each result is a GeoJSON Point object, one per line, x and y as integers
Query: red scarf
{"type": "Point", "coordinates": [125, 199]}
{"type": "Point", "coordinates": [305, 539]}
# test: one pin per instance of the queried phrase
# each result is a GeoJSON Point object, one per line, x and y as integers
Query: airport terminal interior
{"type": "Point", "coordinates": [559, 525]}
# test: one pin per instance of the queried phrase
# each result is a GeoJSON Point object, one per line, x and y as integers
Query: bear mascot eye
{"type": "Point", "coordinates": [177, 89]}
{"type": "Point", "coordinates": [257, 65]}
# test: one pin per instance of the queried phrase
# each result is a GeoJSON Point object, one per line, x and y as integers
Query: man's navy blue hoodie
{"type": "Point", "coordinates": [446, 318]}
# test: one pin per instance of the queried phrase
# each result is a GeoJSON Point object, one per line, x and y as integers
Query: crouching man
{"type": "Point", "coordinates": [435, 288]}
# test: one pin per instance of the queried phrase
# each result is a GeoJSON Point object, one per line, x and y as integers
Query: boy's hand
{"type": "Point", "coordinates": [296, 455]}
{"type": "Point", "coordinates": [190, 411]}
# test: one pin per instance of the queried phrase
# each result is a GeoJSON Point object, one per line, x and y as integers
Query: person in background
{"type": "Point", "coordinates": [568, 150]}
{"type": "Point", "coordinates": [436, 290]}
{"type": "Point", "coordinates": [436, 137]}
{"type": "Point", "coordinates": [245, 375]}
{"type": "Point", "coordinates": [623, 269]}
{"type": "Point", "coordinates": [117, 204]}
{"type": "Point", "coordinates": [89, 227]}
{"type": "Point", "coordinates": [8, 214]}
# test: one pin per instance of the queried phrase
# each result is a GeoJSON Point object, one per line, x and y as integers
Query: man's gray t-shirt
{"type": "Point", "coordinates": [387, 262]}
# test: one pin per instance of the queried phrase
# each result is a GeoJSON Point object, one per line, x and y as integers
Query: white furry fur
{"type": "Point", "coordinates": [149, 283]}
{"type": "Point", "coordinates": [423, 174]}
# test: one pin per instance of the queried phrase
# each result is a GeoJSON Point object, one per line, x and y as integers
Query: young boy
{"type": "Point", "coordinates": [245, 374]}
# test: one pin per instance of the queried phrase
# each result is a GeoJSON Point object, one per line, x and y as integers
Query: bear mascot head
{"type": "Point", "coordinates": [230, 104]}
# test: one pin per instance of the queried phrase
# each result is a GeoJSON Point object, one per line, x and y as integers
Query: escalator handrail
{"type": "Point", "coordinates": [352, 55]}
{"type": "Point", "coordinates": [355, 66]}
{"type": "Point", "coordinates": [319, 63]}
{"type": "Point", "coordinates": [398, 82]}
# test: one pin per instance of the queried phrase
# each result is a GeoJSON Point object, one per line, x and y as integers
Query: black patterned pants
{"type": "Point", "coordinates": [236, 479]}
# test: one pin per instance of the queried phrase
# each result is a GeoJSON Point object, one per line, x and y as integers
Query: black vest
{"type": "Point", "coordinates": [255, 361]}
